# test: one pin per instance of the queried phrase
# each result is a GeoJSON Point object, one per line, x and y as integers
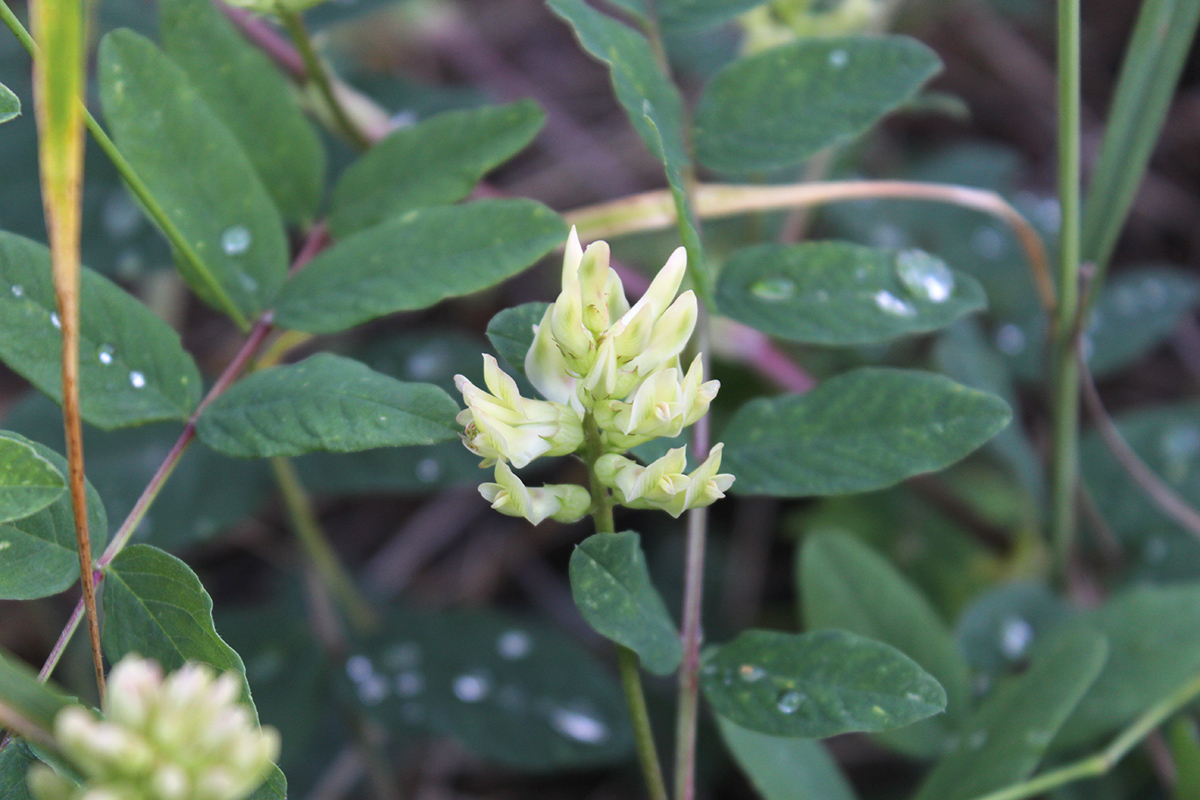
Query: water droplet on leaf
{"type": "Point", "coordinates": [789, 701]}
{"type": "Point", "coordinates": [751, 672]}
{"type": "Point", "coordinates": [579, 725]}
{"type": "Point", "coordinates": [838, 58]}
{"type": "Point", "coordinates": [514, 644]}
{"type": "Point", "coordinates": [1010, 339]}
{"type": "Point", "coordinates": [774, 289]}
{"type": "Point", "coordinates": [55, 320]}
{"type": "Point", "coordinates": [1016, 634]}
{"type": "Point", "coordinates": [136, 379]}
{"type": "Point", "coordinates": [428, 470]}
{"type": "Point", "coordinates": [106, 355]}
{"type": "Point", "coordinates": [925, 275]}
{"type": "Point", "coordinates": [472, 687]}
{"type": "Point", "coordinates": [890, 304]}
{"type": "Point", "coordinates": [235, 240]}
{"type": "Point", "coordinates": [18, 290]}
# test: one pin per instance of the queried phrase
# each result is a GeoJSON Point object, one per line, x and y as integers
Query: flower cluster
{"type": "Point", "coordinates": [609, 370]}
{"type": "Point", "coordinates": [185, 737]}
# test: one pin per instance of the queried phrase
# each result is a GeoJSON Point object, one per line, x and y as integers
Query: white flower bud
{"type": "Point", "coordinates": [508, 495]}
{"type": "Point", "coordinates": [663, 484]}
{"type": "Point", "coordinates": [170, 782]}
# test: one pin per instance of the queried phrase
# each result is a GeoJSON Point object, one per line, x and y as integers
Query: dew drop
{"type": "Point", "coordinates": [977, 740]}
{"type": "Point", "coordinates": [409, 684]}
{"type": "Point", "coordinates": [514, 644]}
{"type": "Point", "coordinates": [18, 290]}
{"type": "Point", "coordinates": [988, 242]}
{"type": "Point", "coordinates": [890, 304]}
{"type": "Point", "coordinates": [789, 701]}
{"type": "Point", "coordinates": [471, 687]}
{"type": "Point", "coordinates": [1010, 339]}
{"type": "Point", "coordinates": [429, 362]}
{"type": "Point", "coordinates": [428, 470]}
{"type": "Point", "coordinates": [751, 673]}
{"type": "Point", "coordinates": [372, 690]}
{"type": "Point", "coordinates": [358, 668]}
{"type": "Point", "coordinates": [838, 58]}
{"type": "Point", "coordinates": [402, 656]}
{"type": "Point", "coordinates": [105, 355]}
{"type": "Point", "coordinates": [774, 289]}
{"type": "Point", "coordinates": [136, 379]}
{"type": "Point", "coordinates": [55, 320]}
{"type": "Point", "coordinates": [1016, 634]}
{"type": "Point", "coordinates": [235, 240]}
{"type": "Point", "coordinates": [578, 725]}
{"type": "Point", "coordinates": [924, 275]}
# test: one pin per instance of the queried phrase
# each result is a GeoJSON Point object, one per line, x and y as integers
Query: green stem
{"type": "Point", "coordinates": [316, 546]}
{"type": "Point", "coordinates": [1099, 763]}
{"type": "Point", "coordinates": [154, 210]}
{"type": "Point", "coordinates": [318, 76]}
{"type": "Point", "coordinates": [627, 660]}
{"type": "Point", "coordinates": [1065, 390]}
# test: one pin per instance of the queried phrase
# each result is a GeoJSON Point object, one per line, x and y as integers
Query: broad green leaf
{"type": "Point", "coordinates": [28, 482]}
{"type": "Point", "coordinates": [1153, 647]}
{"type": "Point", "coordinates": [155, 606]}
{"type": "Point", "coordinates": [325, 402]}
{"type": "Point", "coordinates": [247, 93]}
{"type": "Point", "coordinates": [274, 788]}
{"type": "Point", "coordinates": [21, 691]}
{"type": "Point", "coordinates": [1138, 310]}
{"type": "Point", "coordinates": [997, 630]}
{"type": "Point", "coordinates": [10, 104]}
{"type": "Point", "coordinates": [197, 170]}
{"type": "Point", "coordinates": [1153, 62]}
{"type": "Point", "coordinates": [779, 107]}
{"type": "Point", "coordinates": [474, 674]}
{"type": "Point", "coordinates": [1006, 738]}
{"type": "Point", "coordinates": [511, 332]}
{"type": "Point", "coordinates": [836, 293]}
{"type": "Point", "coordinates": [416, 260]}
{"type": "Point", "coordinates": [432, 163]}
{"type": "Point", "coordinates": [847, 586]}
{"type": "Point", "coordinates": [815, 685]}
{"type": "Point", "coordinates": [785, 768]}
{"type": "Point", "coordinates": [132, 367]}
{"type": "Point", "coordinates": [688, 14]}
{"type": "Point", "coordinates": [612, 588]}
{"type": "Point", "coordinates": [15, 761]}
{"type": "Point", "coordinates": [37, 554]}
{"type": "Point", "coordinates": [636, 77]}
{"type": "Point", "coordinates": [1167, 439]}
{"type": "Point", "coordinates": [863, 430]}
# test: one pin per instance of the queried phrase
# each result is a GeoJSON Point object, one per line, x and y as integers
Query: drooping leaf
{"type": "Point", "coordinates": [10, 104]}
{"type": "Point", "coordinates": [1153, 647]}
{"type": "Point", "coordinates": [785, 768]}
{"type": "Point", "coordinates": [815, 685]}
{"type": "Point", "coordinates": [612, 588]}
{"type": "Point", "coordinates": [324, 403]}
{"type": "Point", "coordinates": [433, 163]}
{"type": "Point", "coordinates": [511, 332]}
{"type": "Point", "coordinates": [37, 553]}
{"type": "Point", "coordinates": [155, 606]}
{"type": "Point", "coordinates": [249, 95]}
{"type": "Point", "coordinates": [132, 367]}
{"type": "Point", "coordinates": [1006, 738]}
{"type": "Point", "coordinates": [863, 430]}
{"type": "Point", "coordinates": [28, 482]}
{"type": "Point", "coordinates": [636, 77]}
{"type": "Point", "coordinates": [847, 586]}
{"type": "Point", "coordinates": [417, 259]}
{"type": "Point", "coordinates": [779, 107]}
{"type": "Point", "coordinates": [471, 674]}
{"type": "Point", "coordinates": [836, 293]}
{"type": "Point", "coordinates": [197, 170]}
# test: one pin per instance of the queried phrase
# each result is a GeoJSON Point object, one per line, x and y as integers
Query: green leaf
{"type": "Point", "coordinates": [863, 430]}
{"type": "Point", "coordinates": [37, 554]}
{"type": "Point", "coordinates": [21, 691]}
{"type": "Point", "coordinates": [1137, 311]}
{"type": "Point", "coordinates": [1153, 62]}
{"type": "Point", "coordinates": [418, 259]}
{"type": "Point", "coordinates": [325, 402]}
{"type": "Point", "coordinates": [198, 172]}
{"type": "Point", "coordinates": [689, 14]}
{"type": "Point", "coordinates": [10, 104]}
{"type": "Point", "coordinates": [28, 482]}
{"type": "Point", "coordinates": [847, 585]}
{"type": "Point", "coordinates": [15, 761]}
{"type": "Point", "coordinates": [836, 293]}
{"type": "Point", "coordinates": [1184, 742]}
{"type": "Point", "coordinates": [155, 606]}
{"type": "Point", "coordinates": [132, 367]}
{"type": "Point", "coordinates": [247, 93]}
{"type": "Point", "coordinates": [432, 163]}
{"type": "Point", "coordinates": [1006, 738]}
{"type": "Point", "coordinates": [612, 588]}
{"type": "Point", "coordinates": [1153, 646]}
{"type": "Point", "coordinates": [472, 674]}
{"type": "Point", "coordinates": [996, 631]}
{"type": "Point", "coordinates": [636, 77]}
{"type": "Point", "coordinates": [779, 107]}
{"type": "Point", "coordinates": [273, 788]}
{"type": "Point", "coordinates": [815, 685]}
{"type": "Point", "coordinates": [785, 768]}
{"type": "Point", "coordinates": [511, 332]}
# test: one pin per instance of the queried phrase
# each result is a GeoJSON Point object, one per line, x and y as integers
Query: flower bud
{"type": "Point", "coordinates": [561, 502]}
{"type": "Point", "coordinates": [663, 484]}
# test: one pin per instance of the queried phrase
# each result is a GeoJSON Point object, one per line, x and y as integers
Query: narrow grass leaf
{"type": "Point", "coordinates": [785, 768]}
